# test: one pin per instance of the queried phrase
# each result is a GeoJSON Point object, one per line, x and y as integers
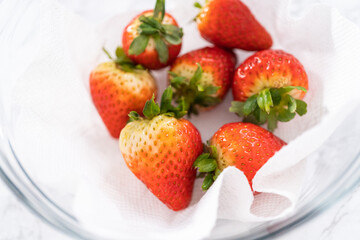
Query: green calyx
{"type": "Point", "coordinates": [122, 61]}
{"type": "Point", "coordinates": [152, 109]}
{"type": "Point", "coordinates": [163, 34]}
{"type": "Point", "coordinates": [270, 105]}
{"type": "Point", "coordinates": [207, 167]}
{"type": "Point", "coordinates": [197, 5]}
{"type": "Point", "coordinates": [193, 94]}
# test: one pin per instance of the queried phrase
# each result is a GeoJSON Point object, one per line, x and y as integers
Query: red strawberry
{"type": "Point", "coordinates": [230, 24]}
{"type": "Point", "coordinates": [118, 87]}
{"type": "Point", "coordinates": [243, 145]}
{"type": "Point", "coordinates": [160, 150]}
{"type": "Point", "coordinates": [153, 38]}
{"type": "Point", "coordinates": [202, 77]}
{"type": "Point", "coordinates": [272, 82]}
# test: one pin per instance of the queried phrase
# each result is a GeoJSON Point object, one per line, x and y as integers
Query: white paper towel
{"type": "Point", "coordinates": [57, 126]}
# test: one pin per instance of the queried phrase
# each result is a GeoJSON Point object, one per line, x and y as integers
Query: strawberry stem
{"type": "Point", "coordinates": [159, 10]}
{"type": "Point", "coordinates": [107, 53]}
{"type": "Point", "coordinates": [270, 105]}
{"type": "Point", "coordinates": [192, 93]}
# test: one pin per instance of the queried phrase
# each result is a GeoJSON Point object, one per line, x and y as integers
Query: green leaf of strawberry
{"type": "Point", "coordinates": [139, 44]}
{"type": "Point", "coordinates": [192, 93]}
{"type": "Point", "coordinates": [301, 107]}
{"type": "Point", "coordinates": [147, 29]}
{"type": "Point", "coordinates": [264, 100]}
{"type": "Point", "coordinates": [120, 53]}
{"type": "Point", "coordinates": [197, 5]}
{"type": "Point", "coordinates": [237, 107]}
{"type": "Point", "coordinates": [173, 34]}
{"type": "Point", "coordinates": [217, 173]}
{"type": "Point", "coordinates": [272, 121]}
{"type": "Point", "coordinates": [285, 115]}
{"type": "Point", "coordinates": [201, 158]}
{"type": "Point", "coordinates": [196, 77]}
{"type": "Point", "coordinates": [166, 99]}
{"type": "Point", "coordinates": [206, 165]}
{"type": "Point", "coordinates": [275, 95]}
{"type": "Point", "coordinates": [270, 105]}
{"type": "Point", "coordinates": [133, 116]}
{"type": "Point", "coordinates": [161, 49]}
{"type": "Point", "coordinates": [209, 90]}
{"type": "Point", "coordinates": [290, 88]}
{"type": "Point", "coordinates": [151, 109]}
{"type": "Point", "coordinates": [163, 34]}
{"type": "Point", "coordinates": [122, 61]}
{"type": "Point", "coordinates": [208, 181]}
{"type": "Point", "coordinates": [151, 22]}
{"type": "Point", "coordinates": [250, 105]}
{"type": "Point", "coordinates": [291, 104]}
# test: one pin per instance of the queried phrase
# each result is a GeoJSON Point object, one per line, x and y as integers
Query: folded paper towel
{"type": "Point", "coordinates": [52, 95]}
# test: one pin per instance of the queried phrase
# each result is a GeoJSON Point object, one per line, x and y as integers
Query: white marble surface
{"type": "Point", "coordinates": [341, 221]}
{"type": "Point", "coordinates": [18, 223]}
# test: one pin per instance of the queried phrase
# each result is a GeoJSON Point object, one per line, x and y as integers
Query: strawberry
{"type": "Point", "coordinates": [153, 38]}
{"type": "Point", "coordinates": [160, 150]}
{"type": "Point", "coordinates": [118, 87]}
{"type": "Point", "coordinates": [243, 145]}
{"type": "Point", "coordinates": [230, 24]}
{"type": "Point", "coordinates": [268, 87]}
{"type": "Point", "coordinates": [202, 77]}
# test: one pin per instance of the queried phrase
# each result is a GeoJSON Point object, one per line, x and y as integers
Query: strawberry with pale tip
{"type": "Point", "coordinates": [153, 38]}
{"type": "Point", "coordinates": [269, 87]}
{"type": "Point", "coordinates": [160, 149]}
{"type": "Point", "coordinates": [118, 87]}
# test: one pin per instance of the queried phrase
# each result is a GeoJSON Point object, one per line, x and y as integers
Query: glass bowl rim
{"type": "Point", "coordinates": [46, 209]}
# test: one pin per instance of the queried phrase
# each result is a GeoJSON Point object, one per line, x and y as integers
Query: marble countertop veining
{"type": "Point", "coordinates": [18, 223]}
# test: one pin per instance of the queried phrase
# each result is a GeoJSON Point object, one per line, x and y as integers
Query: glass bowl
{"type": "Point", "coordinates": [335, 172]}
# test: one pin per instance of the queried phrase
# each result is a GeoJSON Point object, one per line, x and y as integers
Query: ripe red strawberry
{"type": "Point", "coordinates": [202, 77]}
{"type": "Point", "coordinates": [118, 87]}
{"type": "Point", "coordinates": [230, 24]}
{"type": "Point", "coordinates": [243, 145]}
{"type": "Point", "coordinates": [160, 150]}
{"type": "Point", "coordinates": [153, 38]}
{"type": "Point", "coordinates": [269, 86]}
